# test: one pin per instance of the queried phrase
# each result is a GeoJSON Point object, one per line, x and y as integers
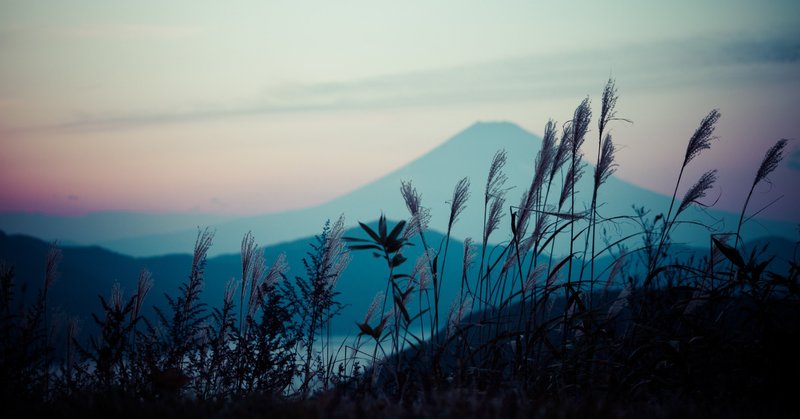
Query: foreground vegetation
{"type": "Point", "coordinates": [528, 333]}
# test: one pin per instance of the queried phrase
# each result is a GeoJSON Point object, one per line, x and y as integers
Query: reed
{"type": "Point", "coordinates": [519, 332]}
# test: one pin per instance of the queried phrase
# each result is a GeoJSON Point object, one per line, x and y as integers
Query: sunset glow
{"type": "Point", "coordinates": [207, 108]}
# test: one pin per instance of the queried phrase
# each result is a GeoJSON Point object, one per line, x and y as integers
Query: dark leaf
{"type": "Point", "coordinates": [365, 329]}
{"type": "Point", "coordinates": [371, 232]}
{"type": "Point", "coordinates": [398, 259]}
{"type": "Point", "coordinates": [396, 231]}
{"type": "Point", "coordinates": [382, 228]}
{"type": "Point", "coordinates": [420, 314]}
{"type": "Point", "coordinates": [730, 253]}
{"type": "Point", "coordinates": [365, 246]}
{"type": "Point", "coordinates": [399, 303]}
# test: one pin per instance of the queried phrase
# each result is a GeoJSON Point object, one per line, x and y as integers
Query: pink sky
{"type": "Point", "coordinates": [134, 110]}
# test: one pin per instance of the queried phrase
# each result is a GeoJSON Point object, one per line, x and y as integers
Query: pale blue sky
{"type": "Point", "coordinates": [238, 107]}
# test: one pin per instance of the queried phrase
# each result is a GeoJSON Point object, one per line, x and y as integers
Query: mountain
{"type": "Point", "coordinates": [435, 174]}
{"type": "Point", "coordinates": [469, 154]}
{"type": "Point", "coordinates": [86, 272]}
{"type": "Point", "coordinates": [102, 226]}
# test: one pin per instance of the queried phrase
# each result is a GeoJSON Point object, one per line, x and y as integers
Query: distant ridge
{"type": "Point", "coordinates": [467, 153]}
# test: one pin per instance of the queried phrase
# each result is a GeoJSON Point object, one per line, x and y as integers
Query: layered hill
{"type": "Point", "coordinates": [467, 154]}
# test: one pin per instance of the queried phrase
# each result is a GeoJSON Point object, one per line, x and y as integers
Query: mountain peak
{"type": "Point", "coordinates": [493, 127]}
{"type": "Point", "coordinates": [492, 134]}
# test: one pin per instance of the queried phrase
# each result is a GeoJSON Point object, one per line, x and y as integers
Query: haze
{"type": "Point", "coordinates": [261, 107]}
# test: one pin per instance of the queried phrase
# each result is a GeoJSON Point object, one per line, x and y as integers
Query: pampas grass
{"type": "Point", "coordinates": [699, 141]}
{"type": "Point", "coordinates": [770, 162]}
{"type": "Point", "coordinates": [458, 202]}
{"type": "Point", "coordinates": [702, 137]}
{"type": "Point", "coordinates": [519, 333]}
{"type": "Point", "coordinates": [697, 191]}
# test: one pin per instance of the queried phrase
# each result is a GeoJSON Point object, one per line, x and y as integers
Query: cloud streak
{"type": "Point", "coordinates": [710, 62]}
{"type": "Point", "coordinates": [130, 31]}
{"type": "Point", "coordinates": [103, 31]}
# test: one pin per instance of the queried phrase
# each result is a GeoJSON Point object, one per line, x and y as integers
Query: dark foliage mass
{"type": "Point", "coordinates": [528, 334]}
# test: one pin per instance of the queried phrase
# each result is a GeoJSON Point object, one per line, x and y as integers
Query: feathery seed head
{"type": "Point", "coordinates": [201, 246]}
{"type": "Point", "coordinates": [574, 174]}
{"type": "Point", "coordinates": [277, 271]}
{"type": "Point", "coordinates": [411, 197]}
{"type": "Point", "coordinates": [337, 255]}
{"type": "Point", "coordinates": [248, 250]}
{"type": "Point", "coordinates": [606, 166]}
{"type": "Point", "coordinates": [420, 216]}
{"type": "Point", "coordinates": [494, 217]}
{"type": "Point", "coordinates": [771, 160]}
{"type": "Point", "coordinates": [546, 156]}
{"type": "Point", "coordinates": [496, 178]}
{"type": "Point", "coordinates": [422, 270]}
{"type": "Point", "coordinates": [698, 190]}
{"type": "Point", "coordinates": [533, 277]}
{"type": "Point", "coordinates": [458, 203]}
{"type": "Point", "coordinates": [701, 139]}
{"type": "Point", "coordinates": [580, 124]}
{"type": "Point", "coordinates": [469, 254]}
{"type": "Point", "coordinates": [457, 311]}
{"type": "Point", "coordinates": [609, 102]}
{"type": "Point", "coordinates": [373, 307]}
{"type": "Point", "coordinates": [619, 303]}
{"type": "Point", "coordinates": [230, 291]}
{"type": "Point", "coordinates": [539, 228]}
{"type": "Point", "coordinates": [616, 268]}
{"type": "Point", "coordinates": [561, 152]}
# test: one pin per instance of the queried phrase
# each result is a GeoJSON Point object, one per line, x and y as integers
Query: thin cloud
{"type": "Point", "coordinates": [100, 31]}
{"type": "Point", "coordinates": [643, 67]}
{"type": "Point", "coordinates": [133, 31]}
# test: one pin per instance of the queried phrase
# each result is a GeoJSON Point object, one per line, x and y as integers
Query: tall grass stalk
{"type": "Point", "coordinates": [770, 162]}
{"type": "Point", "coordinates": [699, 141]}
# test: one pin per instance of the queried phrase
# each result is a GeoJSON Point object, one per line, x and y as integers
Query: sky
{"type": "Point", "coordinates": [246, 108]}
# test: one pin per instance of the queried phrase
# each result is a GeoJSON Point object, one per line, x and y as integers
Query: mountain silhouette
{"type": "Point", "coordinates": [86, 272]}
{"type": "Point", "coordinates": [435, 174]}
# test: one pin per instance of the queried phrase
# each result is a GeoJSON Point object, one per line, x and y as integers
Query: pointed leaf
{"type": "Point", "coordinates": [370, 231]}
{"type": "Point", "coordinates": [398, 259]}
{"type": "Point", "coordinates": [730, 253]}
{"type": "Point", "coordinates": [405, 294]}
{"type": "Point", "coordinates": [396, 231]}
{"type": "Point", "coordinates": [420, 314]}
{"type": "Point", "coordinates": [399, 303]}
{"type": "Point", "coordinates": [365, 329]}
{"type": "Point", "coordinates": [558, 268]}
{"type": "Point", "coordinates": [365, 247]}
{"type": "Point", "coordinates": [379, 328]}
{"type": "Point", "coordinates": [382, 228]}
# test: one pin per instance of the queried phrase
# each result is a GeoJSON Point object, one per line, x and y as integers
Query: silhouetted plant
{"type": "Point", "coordinates": [317, 303]}
{"type": "Point", "coordinates": [771, 160]}
{"type": "Point", "coordinates": [169, 343]}
{"type": "Point", "coordinates": [525, 325]}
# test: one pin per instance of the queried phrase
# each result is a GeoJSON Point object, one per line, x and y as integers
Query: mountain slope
{"type": "Point", "coordinates": [468, 153]}
{"type": "Point", "coordinates": [86, 272]}
{"type": "Point", "coordinates": [102, 226]}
